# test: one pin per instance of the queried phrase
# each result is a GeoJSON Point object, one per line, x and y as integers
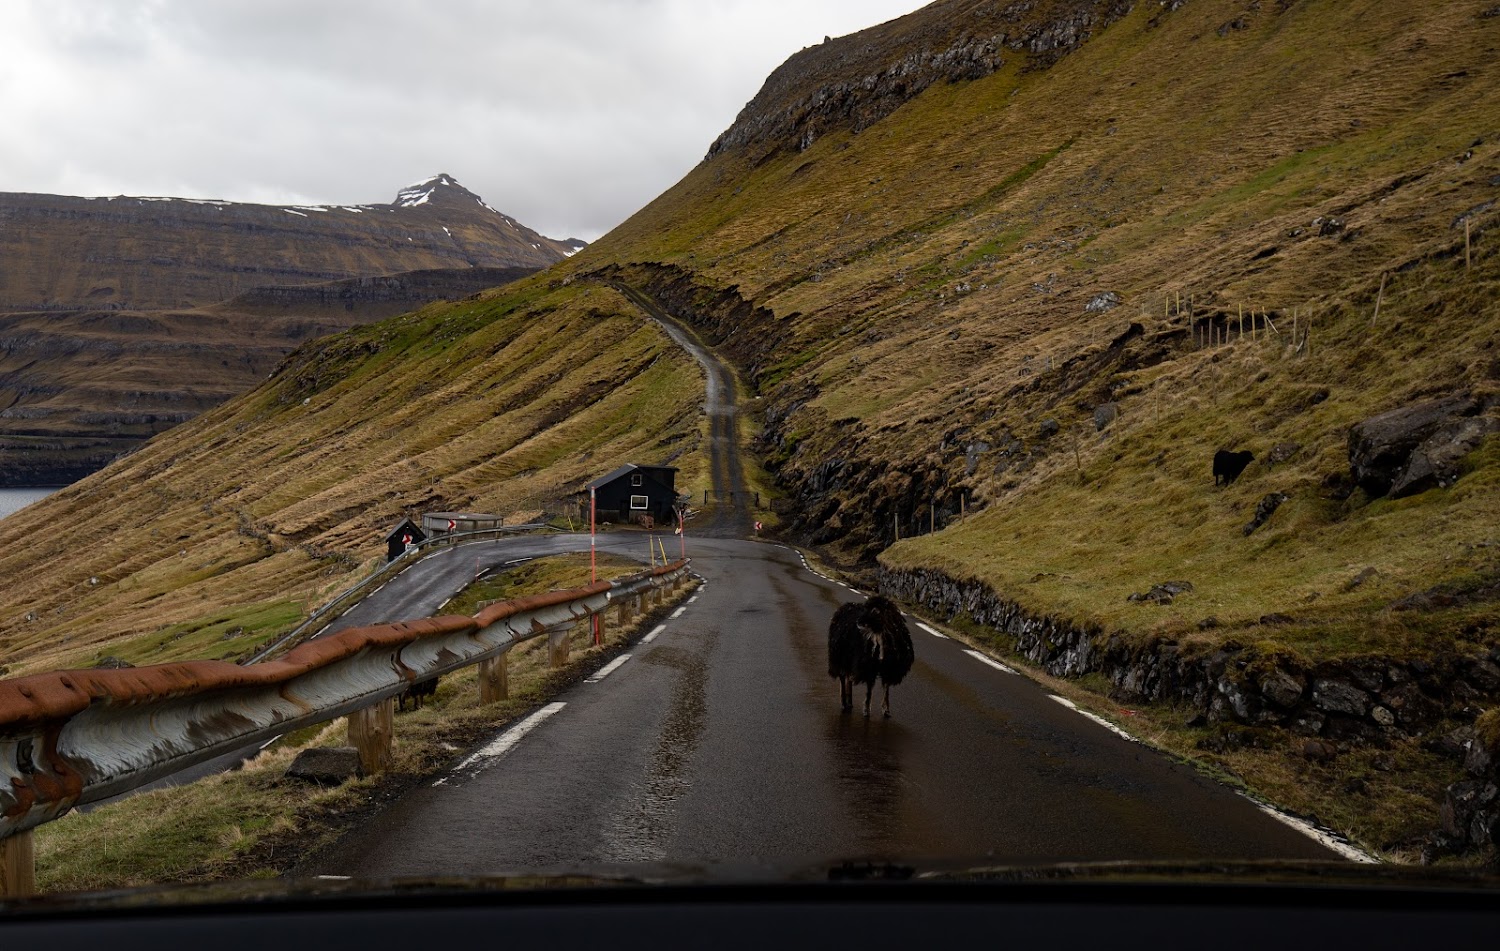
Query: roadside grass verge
{"type": "Point", "coordinates": [254, 822]}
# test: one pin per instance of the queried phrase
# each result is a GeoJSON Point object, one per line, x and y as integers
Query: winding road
{"type": "Point", "coordinates": [714, 745]}
{"type": "Point", "coordinates": [730, 517]}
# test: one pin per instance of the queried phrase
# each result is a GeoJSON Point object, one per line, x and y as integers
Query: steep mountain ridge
{"type": "Point", "coordinates": [123, 317]}
{"type": "Point", "coordinates": [65, 253]}
{"type": "Point", "coordinates": [992, 339]}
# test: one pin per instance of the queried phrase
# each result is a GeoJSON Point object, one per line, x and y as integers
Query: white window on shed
{"type": "Point", "coordinates": [639, 502]}
{"type": "Point", "coordinates": [635, 478]}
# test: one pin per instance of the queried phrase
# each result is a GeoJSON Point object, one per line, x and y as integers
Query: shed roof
{"type": "Point", "coordinates": [624, 470]}
{"type": "Point", "coordinates": [400, 527]}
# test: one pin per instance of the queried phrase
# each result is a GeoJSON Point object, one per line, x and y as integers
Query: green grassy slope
{"type": "Point", "coordinates": [927, 281]}
{"type": "Point", "coordinates": [224, 531]}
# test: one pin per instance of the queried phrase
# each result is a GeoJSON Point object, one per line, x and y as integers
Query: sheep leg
{"type": "Point", "coordinates": [846, 694]}
{"type": "Point", "coordinates": [869, 689]}
{"type": "Point", "coordinates": [886, 706]}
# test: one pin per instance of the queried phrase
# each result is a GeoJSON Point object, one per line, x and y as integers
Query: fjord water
{"type": "Point", "coordinates": [12, 500]}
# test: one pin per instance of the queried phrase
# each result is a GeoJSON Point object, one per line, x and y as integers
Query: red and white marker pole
{"type": "Point", "coordinates": [593, 561]}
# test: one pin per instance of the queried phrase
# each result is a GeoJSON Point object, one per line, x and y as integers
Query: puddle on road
{"type": "Point", "coordinates": [869, 755]}
{"type": "Point", "coordinates": [641, 830]}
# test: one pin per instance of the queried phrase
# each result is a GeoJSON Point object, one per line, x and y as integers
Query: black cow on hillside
{"type": "Point", "coordinates": [867, 642]}
{"type": "Point", "coordinates": [1228, 465]}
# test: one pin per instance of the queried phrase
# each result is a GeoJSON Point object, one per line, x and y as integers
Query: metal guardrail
{"type": "Point", "coordinates": [77, 736]}
{"type": "Point", "coordinates": [351, 596]}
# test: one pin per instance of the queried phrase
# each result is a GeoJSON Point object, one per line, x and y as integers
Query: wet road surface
{"type": "Point", "coordinates": [730, 515]}
{"type": "Point", "coordinates": [718, 746]}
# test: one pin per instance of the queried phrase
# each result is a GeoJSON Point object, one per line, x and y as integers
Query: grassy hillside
{"type": "Point", "coordinates": [224, 531]}
{"type": "Point", "coordinates": [925, 290]}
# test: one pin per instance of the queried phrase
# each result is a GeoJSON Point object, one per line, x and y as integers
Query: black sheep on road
{"type": "Point", "coordinates": [867, 642]}
{"type": "Point", "coordinates": [1228, 465]}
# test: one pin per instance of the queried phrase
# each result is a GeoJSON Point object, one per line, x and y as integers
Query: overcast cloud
{"type": "Point", "coordinates": [568, 117]}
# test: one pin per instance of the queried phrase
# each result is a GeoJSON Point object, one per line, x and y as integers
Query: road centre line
{"type": "Point", "coordinates": [607, 669]}
{"type": "Point", "coordinates": [502, 744]}
{"type": "Point", "coordinates": [1097, 719]}
{"type": "Point", "coordinates": [991, 661]}
{"type": "Point", "coordinates": [654, 631]}
{"type": "Point", "coordinates": [935, 632]}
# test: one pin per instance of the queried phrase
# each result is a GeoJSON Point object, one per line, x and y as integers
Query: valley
{"type": "Point", "coordinates": [122, 317]}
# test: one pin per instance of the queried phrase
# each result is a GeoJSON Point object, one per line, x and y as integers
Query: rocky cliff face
{"type": "Point", "coordinates": [122, 317]}
{"type": "Point", "coordinates": [857, 80]}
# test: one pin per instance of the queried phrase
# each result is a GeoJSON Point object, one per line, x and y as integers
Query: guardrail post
{"type": "Point", "coordinates": [17, 866]}
{"type": "Point", "coordinates": [370, 732]}
{"type": "Point", "coordinates": [494, 679]}
{"type": "Point", "coordinates": [623, 613]}
{"type": "Point", "coordinates": [557, 646]}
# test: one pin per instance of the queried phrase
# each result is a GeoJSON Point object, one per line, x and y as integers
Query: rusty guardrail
{"type": "Point", "coordinates": [76, 736]}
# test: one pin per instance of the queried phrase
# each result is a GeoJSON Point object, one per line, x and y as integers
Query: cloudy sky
{"type": "Point", "coordinates": [567, 116]}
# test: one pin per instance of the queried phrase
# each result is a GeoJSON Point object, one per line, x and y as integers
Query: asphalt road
{"type": "Point", "coordinates": [718, 747]}
{"type": "Point", "coordinates": [730, 515]}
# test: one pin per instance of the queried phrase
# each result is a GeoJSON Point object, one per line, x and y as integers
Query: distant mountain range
{"type": "Point", "coordinates": [121, 317]}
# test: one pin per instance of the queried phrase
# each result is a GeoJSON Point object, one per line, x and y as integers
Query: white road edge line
{"type": "Point", "coordinates": [502, 744]}
{"type": "Point", "coordinates": [937, 633]}
{"type": "Point", "coordinates": [678, 612]}
{"type": "Point", "coordinates": [654, 631]}
{"type": "Point", "coordinates": [334, 878]}
{"type": "Point", "coordinates": [1097, 719]}
{"type": "Point", "coordinates": [988, 660]}
{"type": "Point", "coordinates": [1325, 838]}
{"type": "Point", "coordinates": [1322, 836]}
{"type": "Point", "coordinates": [607, 669]}
{"type": "Point", "coordinates": [692, 599]}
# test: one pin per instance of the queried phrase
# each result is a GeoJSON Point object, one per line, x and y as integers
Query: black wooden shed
{"type": "Point", "coordinates": [405, 533]}
{"type": "Point", "coordinates": [633, 491]}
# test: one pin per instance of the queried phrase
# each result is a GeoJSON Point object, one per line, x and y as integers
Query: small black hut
{"type": "Point", "coordinates": [405, 533]}
{"type": "Point", "coordinates": [631, 492]}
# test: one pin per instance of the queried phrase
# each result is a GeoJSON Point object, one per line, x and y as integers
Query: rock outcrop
{"type": "Point", "coordinates": [1414, 448]}
{"type": "Point", "coordinates": [855, 81]}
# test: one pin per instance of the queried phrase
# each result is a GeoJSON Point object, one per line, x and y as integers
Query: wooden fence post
{"type": "Point", "coordinates": [1379, 297]}
{"type": "Point", "coordinates": [370, 731]}
{"type": "Point", "coordinates": [494, 679]}
{"type": "Point", "coordinates": [557, 646]}
{"type": "Point", "coordinates": [18, 866]}
{"type": "Point", "coordinates": [1468, 261]}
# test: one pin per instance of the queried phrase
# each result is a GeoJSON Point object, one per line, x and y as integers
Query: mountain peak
{"type": "Point", "coordinates": [441, 185]}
